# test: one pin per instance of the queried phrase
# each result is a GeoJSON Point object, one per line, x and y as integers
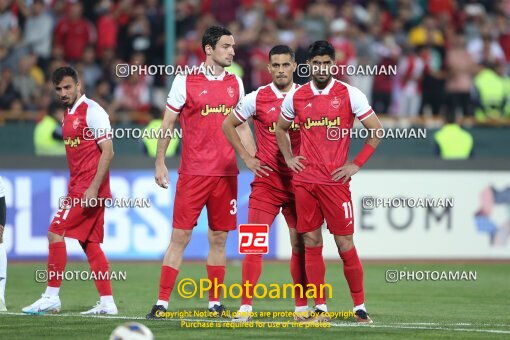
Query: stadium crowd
{"type": "Point", "coordinates": [451, 55]}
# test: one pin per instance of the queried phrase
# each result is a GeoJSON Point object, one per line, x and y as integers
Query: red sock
{"type": "Point", "coordinates": [215, 273]}
{"type": "Point", "coordinates": [57, 259]}
{"type": "Point", "coordinates": [167, 282]}
{"type": "Point", "coordinates": [316, 272]}
{"type": "Point", "coordinates": [99, 266]}
{"type": "Point", "coordinates": [298, 272]}
{"type": "Point", "coordinates": [252, 267]}
{"type": "Point", "coordinates": [353, 271]}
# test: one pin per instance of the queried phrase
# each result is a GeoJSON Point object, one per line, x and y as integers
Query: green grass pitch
{"type": "Point", "coordinates": [403, 310]}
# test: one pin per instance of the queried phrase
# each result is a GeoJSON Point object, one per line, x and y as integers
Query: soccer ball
{"type": "Point", "coordinates": [131, 331]}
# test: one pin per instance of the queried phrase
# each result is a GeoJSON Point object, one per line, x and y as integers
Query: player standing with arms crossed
{"type": "Point", "coordinates": [324, 108]}
{"type": "Point", "coordinates": [208, 171]}
{"type": "Point", "coordinates": [3, 254]}
{"type": "Point", "coordinates": [272, 186]}
{"type": "Point", "coordinates": [89, 151]}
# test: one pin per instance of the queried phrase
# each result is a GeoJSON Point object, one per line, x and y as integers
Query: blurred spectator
{"type": "Point", "coordinates": [38, 31]}
{"type": "Point", "coordinates": [486, 48]}
{"type": "Point", "coordinates": [8, 92]}
{"type": "Point", "coordinates": [25, 84]}
{"type": "Point", "coordinates": [491, 92]}
{"type": "Point", "coordinates": [409, 86]}
{"type": "Point", "coordinates": [91, 70]}
{"type": "Point", "coordinates": [426, 33]}
{"type": "Point", "coordinates": [461, 68]}
{"type": "Point", "coordinates": [131, 94]}
{"type": "Point", "coordinates": [433, 78]}
{"type": "Point", "coordinates": [9, 26]}
{"type": "Point", "coordinates": [138, 31]}
{"type": "Point", "coordinates": [452, 141]}
{"type": "Point", "coordinates": [345, 51]}
{"type": "Point", "coordinates": [48, 133]}
{"type": "Point", "coordinates": [106, 26]}
{"type": "Point", "coordinates": [389, 53]}
{"type": "Point", "coordinates": [73, 33]}
{"type": "Point", "coordinates": [102, 94]}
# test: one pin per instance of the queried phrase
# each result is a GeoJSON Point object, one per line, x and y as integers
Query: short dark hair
{"type": "Point", "coordinates": [212, 35]}
{"type": "Point", "coordinates": [65, 71]}
{"type": "Point", "coordinates": [282, 49]}
{"type": "Point", "coordinates": [320, 48]}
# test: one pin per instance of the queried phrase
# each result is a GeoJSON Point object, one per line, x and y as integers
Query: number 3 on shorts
{"type": "Point", "coordinates": [233, 203]}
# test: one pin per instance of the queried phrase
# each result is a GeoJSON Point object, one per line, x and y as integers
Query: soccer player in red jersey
{"type": "Point", "coordinates": [325, 109]}
{"type": "Point", "coordinates": [272, 186]}
{"type": "Point", "coordinates": [208, 170]}
{"type": "Point", "coordinates": [89, 151]}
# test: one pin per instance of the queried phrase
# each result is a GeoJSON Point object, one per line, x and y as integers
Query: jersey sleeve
{"type": "Point", "coordinates": [241, 89]}
{"type": "Point", "coordinates": [99, 124]}
{"type": "Point", "coordinates": [287, 111]}
{"type": "Point", "coordinates": [177, 95]}
{"type": "Point", "coordinates": [246, 107]}
{"type": "Point", "coordinates": [359, 103]}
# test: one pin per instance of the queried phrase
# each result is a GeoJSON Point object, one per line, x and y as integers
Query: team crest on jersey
{"type": "Point", "coordinates": [335, 102]}
{"type": "Point", "coordinates": [230, 91]}
{"type": "Point", "coordinates": [76, 123]}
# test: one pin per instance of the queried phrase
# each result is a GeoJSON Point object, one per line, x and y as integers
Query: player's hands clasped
{"type": "Point", "coordinates": [161, 175]}
{"type": "Point", "coordinates": [253, 163]}
{"type": "Point", "coordinates": [295, 163]}
{"type": "Point", "coordinates": [346, 171]}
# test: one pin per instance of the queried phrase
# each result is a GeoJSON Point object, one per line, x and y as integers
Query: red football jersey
{"type": "Point", "coordinates": [203, 102]}
{"type": "Point", "coordinates": [323, 117]}
{"type": "Point", "coordinates": [264, 105]}
{"type": "Point", "coordinates": [84, 126]}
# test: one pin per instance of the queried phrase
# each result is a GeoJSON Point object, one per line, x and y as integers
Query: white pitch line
{"type": "Point", "coordinates": [417, 325]}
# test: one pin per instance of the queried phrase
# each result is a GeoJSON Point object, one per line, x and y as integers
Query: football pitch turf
{"type": "Point", "coordinates": [402, 310]}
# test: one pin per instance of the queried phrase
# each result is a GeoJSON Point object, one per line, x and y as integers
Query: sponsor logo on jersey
{"type": "Point", "coordinates": [324, 121]}
{"type": "Point", "coordinates": [73, 143]}
{"type": "Point", "coordinates": [221, 109]}
{"type": "Point", "coordinates": [293, 126]}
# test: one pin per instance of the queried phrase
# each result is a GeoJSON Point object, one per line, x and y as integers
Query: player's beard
{"type": "Point", "coordinates": [321, 81]}
{"type": "Point", "coordinates": [70, 103]}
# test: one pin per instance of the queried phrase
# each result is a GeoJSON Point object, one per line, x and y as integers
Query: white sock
{"type": "Point", "coordinates": [358, 307]}
{"type": "Point", "coordinates": [322, 307]}
{"type": "Point", "coordinates": [106, 299]}
{"type": "Point", "coordinates": [3, 270]}
{"type": "Point", "coordinates": [52, 291]}
{"type": "Point", "coordinates": [213, 303]}
{"type": "Point", "coordinates": [300, 309]}
{"type": "Point", "coordinates": [162, 303]}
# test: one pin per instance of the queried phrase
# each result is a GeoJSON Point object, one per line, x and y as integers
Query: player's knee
{"type": "Point", "coordinates": [218, 240]}
{"type": "Point", "coordinates": [344, 243]}
{"type": "Point", "coordinates": [311, 240]}
{"type": "Point", "coordinates": [180, 238]}
{"type": "Point", "coordinates": [52, 237]}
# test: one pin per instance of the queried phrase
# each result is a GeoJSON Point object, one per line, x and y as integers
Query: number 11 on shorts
{"type": "Point", "coordinates": [347, 210]}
